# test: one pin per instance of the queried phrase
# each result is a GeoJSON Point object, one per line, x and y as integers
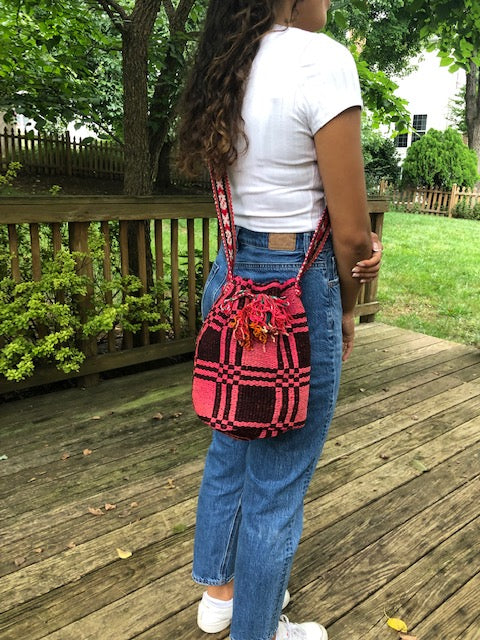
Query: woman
{"type": "Point", "coordinates": [277, 106]}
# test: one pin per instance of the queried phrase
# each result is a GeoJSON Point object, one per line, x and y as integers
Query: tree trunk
{"type": "Point", "coordinates": [135, 38]}
{"type": "Point", "coordinates": [136, 35]}
{"type": "Point", "coordinates": [472, 107]}
{"type": "Point", "coordinates": [163, 181]}
{"type": "Point", "coordinates": [168, 86]}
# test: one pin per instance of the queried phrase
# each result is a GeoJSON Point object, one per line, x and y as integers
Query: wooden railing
{"type": "Point", "coordinates": [173, 223]}
{"type": "Point", "coordinates": [433, 201]}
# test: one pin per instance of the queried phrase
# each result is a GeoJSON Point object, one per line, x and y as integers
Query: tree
{"type": "Point", "coordinates": [115, 66]}
{"type": "Point", "coordinates": [440, 159]}
{"type": "Point", "coordinates": [387, 37]}
{"type": "Point", "coordinates": [146, 122]}
{"type": "Point", "coordinates": [453, 28]}
{"type": "Point", "coordinates": [381, 159]}
{"type": "Point", "coordinates": [390, 32]}
{"type": "Point", "coordinates": [457, 116]}
{"type": "Point", "coordinates": [60, 66]}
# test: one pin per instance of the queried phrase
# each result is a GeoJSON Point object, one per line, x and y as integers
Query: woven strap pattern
{"type": "Point", "coordinates": [223, 203]}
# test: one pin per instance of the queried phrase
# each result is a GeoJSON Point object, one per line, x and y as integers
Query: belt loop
{"type": "Point", "coordinates": [307, 236]}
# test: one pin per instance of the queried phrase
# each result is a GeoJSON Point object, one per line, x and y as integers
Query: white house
{"type": "Point", "coordinates": [428, 90]}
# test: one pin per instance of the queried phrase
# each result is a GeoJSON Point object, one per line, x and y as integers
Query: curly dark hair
{"type": "Point", "coordinates": [211, 124]}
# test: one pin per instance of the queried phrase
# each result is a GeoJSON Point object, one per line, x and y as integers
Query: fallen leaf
{"type": "Point", "coordinates": [179, 528]}
{"type": "Point", "coordinates": [419, 465]}
{"type": "Point", "coordinates": [38, 550]}
{"type": "Point", "coordinates": [158, 416]}
{"type": "Point", "coordinates": [362, 389]}
{"type": "Point", "coordinates": [124, 554]}
{"type": "Point", "coordinates": [95, 418]}
{"type": "Point", "coordinates": [177, 415]}
{"type": "Point", "coordinates": [95, 512]}
{"type": "Point", "coordinates": [397, 624]}
{"type": "Point", "coordinates": [404, 637]}
{"type": "Point", "coordinates": [65, 456]}
{"type": "Point", "coordinates": [71, 545]}
{"type": "Point", "coordinates": [3, 457]}
{"type": "Point", "coordinates": [19, 561]}
{"type": "Point", "coordinates": [414, 417]}
{"type": "Point", "coordinates": [134, 504]}
{"type": "Point", "coordinates": [171, 483]}
{"type": "Point", "coordinates": [110, 507]}
{"type": "Point", "coordinates": [87, 452]}
{"type": "Point", "coordinates": [384, 456]}
{"type": "Point", "coordinates": [32, 480]}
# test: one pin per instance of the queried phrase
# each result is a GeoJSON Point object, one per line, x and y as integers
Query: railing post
{"type": "Point", "coordinates": [78, 241]}
{"type": "Point", "coordinates": [368, 292]}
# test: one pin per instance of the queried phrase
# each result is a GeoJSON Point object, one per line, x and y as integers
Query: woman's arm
{"type": "Point", "coordinates": [340, 162]}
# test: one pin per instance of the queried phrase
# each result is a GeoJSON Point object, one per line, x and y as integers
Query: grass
{"type": "Point", "coordinates": [430, 278]}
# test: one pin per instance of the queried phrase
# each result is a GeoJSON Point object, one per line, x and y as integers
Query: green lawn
{"type": "Point", "coordinates": [430, 278]}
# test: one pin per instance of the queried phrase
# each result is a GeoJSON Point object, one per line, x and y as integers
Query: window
{"type": "Point", "coordinates": [419, 127]}
{"type": "Point", "coordinates": [401, 140]}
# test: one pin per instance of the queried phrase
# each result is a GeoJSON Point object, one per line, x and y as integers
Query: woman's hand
{"type": "Point", "coordinates": [348, 335]}
{"type": "Point", "coordinates": [367, 270]}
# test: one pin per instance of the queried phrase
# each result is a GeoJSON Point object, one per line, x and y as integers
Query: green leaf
{"type": "Point", "coordinates": [446, 61]}
{"type": "Point", "coordinates": [340, 19]}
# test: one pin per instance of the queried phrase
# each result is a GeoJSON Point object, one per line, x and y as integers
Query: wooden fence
{"type": "Point", "coordinates": [52, 154]}
{"type": "Point", "coordinates": [46, 224]}
{"type": "Point", "coordinates": [433, 201]}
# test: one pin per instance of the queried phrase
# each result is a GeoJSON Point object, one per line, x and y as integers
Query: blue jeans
{"type": "Point", "coordinates": [250, 507]}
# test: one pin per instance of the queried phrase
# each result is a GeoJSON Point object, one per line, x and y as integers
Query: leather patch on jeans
{"type": "Point", "coordinates": [282, 241]}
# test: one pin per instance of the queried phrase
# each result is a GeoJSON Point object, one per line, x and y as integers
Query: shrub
{"type": "Point", "coordinates": [463, 209]}
{"type": "Point", "coordinates": [6, 181]}
{"type": "Point", "coordinates": [42, 321]}
{"type": "Point", "coordinates": [440, 159]}
{"type": "Point", "coordinates": [381, 159]}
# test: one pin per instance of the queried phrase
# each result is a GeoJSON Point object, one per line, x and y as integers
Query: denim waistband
{"type": "Point", "coordinates": [261, 238]}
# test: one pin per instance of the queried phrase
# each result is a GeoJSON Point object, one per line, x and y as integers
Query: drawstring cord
{"type": "Point", "coordinates": [261, 317]}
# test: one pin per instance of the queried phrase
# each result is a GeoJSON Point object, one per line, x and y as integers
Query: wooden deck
{"type": "Point", "coordinates": [392, 518]}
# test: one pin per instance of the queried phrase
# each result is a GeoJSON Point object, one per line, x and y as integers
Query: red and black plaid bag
{"type": "Point", "coordinates": [251, 374]}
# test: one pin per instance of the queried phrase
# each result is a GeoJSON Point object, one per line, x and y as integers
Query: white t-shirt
{"type": "Point", "coordinates": [299, 81]}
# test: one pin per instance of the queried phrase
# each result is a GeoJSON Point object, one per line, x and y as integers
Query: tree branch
{"type": "Point", "coordinates": [115, 12]}
{"type": "Point", "coordinates": [169, 10]}
{"type": "Point", "coordinates": [118, 9]}
{"type": "Point", "coordinates": [183, 9]}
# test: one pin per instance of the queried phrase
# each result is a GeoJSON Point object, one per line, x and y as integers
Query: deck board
{"type": "Point", "coordinates": [392, 517]}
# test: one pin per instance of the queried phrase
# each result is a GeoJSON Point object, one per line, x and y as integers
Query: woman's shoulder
{"type": "Point", "coordinates": [321, 48]}
{"type": "Point", "coordinates": [311, 52]}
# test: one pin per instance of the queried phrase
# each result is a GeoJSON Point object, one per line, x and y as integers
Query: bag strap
{"type": "Point", "coordinates": [223, 204]}
{"type": "Point", "coordinates": [222, 196]}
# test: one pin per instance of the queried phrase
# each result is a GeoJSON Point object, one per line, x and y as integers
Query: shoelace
{"type": "Point", "coordinates": [293, 630]}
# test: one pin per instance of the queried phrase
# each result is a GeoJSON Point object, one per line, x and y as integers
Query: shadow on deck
{"type": "Point", "coordinates": [391, 519]}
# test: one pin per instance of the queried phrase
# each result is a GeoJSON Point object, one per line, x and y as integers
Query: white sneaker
{"type": "Point", "coordinates": [304, 631]}
{"type": "Point", "coordinates": [212, 619]}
